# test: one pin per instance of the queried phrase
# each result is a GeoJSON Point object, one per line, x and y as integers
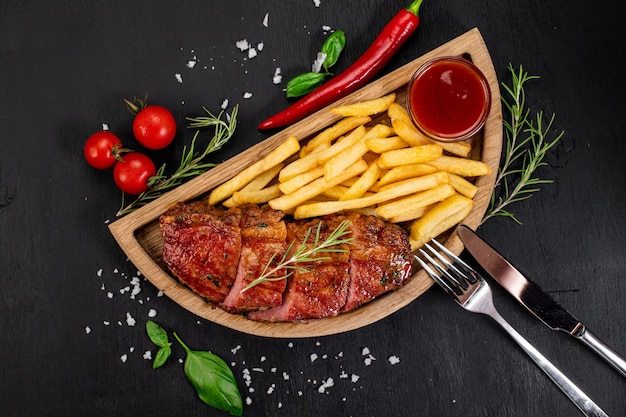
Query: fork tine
{"type": "Point", "coordinates": [470, 273]}
{"type": "Point", "coordinates": [450, 271]}
{"type": "Point", "coordinates": [436, 277]}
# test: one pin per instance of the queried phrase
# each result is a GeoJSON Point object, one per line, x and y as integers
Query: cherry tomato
{"type": "Point", "coordinates": [100, 148]}
{"type": "Point", "coordinates": [131, 174]}
{"type": "Point", "coordinates": [154, 127]}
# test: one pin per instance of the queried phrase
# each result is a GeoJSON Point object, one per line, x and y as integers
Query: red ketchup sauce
{"type": "Point", "coordinates": [448, 99]}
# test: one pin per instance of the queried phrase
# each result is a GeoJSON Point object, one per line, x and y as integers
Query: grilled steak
{"type": "Point", "coordinates": [217, 253]}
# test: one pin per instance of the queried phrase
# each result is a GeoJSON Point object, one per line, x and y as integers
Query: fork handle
{"type": "Point", "coordinates": [578, 397]}
{"type": "Point", "coordinates": [602, 349]}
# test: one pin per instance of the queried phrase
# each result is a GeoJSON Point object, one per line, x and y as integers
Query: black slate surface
{"type": "Point", "coordinates": [68, 347]}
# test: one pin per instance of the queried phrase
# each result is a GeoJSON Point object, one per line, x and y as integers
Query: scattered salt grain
{"type": "Point", "coordinates": [224, 104]}
{"type": "Point", "coordinates": [160, 294]}
{"type": "Point", "coordinates": [252, 53]}
{"type": "Point", "coordinates": [247, 95]}
{"type": "Point", "coordinates": [99, 273]}
{"type": "Point", "coordinates": [365, 351]}
{"type": "Point", "coordinates": [192, 63]}
{"type": "Point", "coordinates": [131, 349]}
{"type": "Point", "coordinates": [109, 294]}
{"type": "Point", "coordinates": [106, 323]}
{"type": "Point", "coordinates": [124, 357]}
{"type": "Point", "coordinates": [326, 384]}
{"type": "Point", "coordinates": [285, 376]}
{"type": "Point", "coordinates": [266, 19]}
{"type": "Point", "coordinates": [355, 378]}
{"type": "Point", "coordinates": [152, 313]}
{"type": "Point", "coordinates": [147, 355]}
{"type": "Point", "coordinates": [260, 46]}
{"type": "Point", "coordinates": [242, 44]}
{"type": "Point", "coordinates": [87, 329]}
{"type": "Point", "coordinates": [179, 78]}
{"type": "Point", "coordinates": [271, 389]}
{"type": "Point", "coordinates": [130, 320]}
{"type": "Point", "coordinates": [277, 78]}
{"type": "Point", "coordinates": [235, 349]}
{"type": "Point", "coordinates": [105, 126]}
{"type": "Point", "coordinates": [313, 357]}
{"type": "Point", "coordinates": [393, 359]}
{"type": "Point", "coordinates": [248, 401]}
{"type": "Point", "coordinates": [326, 28]}
{"type": "Point", "coordinates": [317, 3]}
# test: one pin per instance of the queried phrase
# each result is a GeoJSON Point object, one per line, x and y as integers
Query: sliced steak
{"type": "Point", "coordinates": [318, 288]}
{"type": "Point", "coordinates": [202, 249]}
{"type": "Point", "coordinates": [263, 243]}
{"type": "Point", "coordinates": [380, 259]}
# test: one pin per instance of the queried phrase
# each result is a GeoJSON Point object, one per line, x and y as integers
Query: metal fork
{"type": "Point", "coordinates": [470, 290]}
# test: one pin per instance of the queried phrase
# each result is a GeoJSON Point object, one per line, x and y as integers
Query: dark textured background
{"type": "Point", "coordinates": [64, 69]}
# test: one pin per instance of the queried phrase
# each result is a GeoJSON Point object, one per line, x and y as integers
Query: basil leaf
{"type": "Point", "coordinates": [213, 380]}
{"type": "Point", "coordinates": [332, 47]}
{"type": "Point", "coordinates": [161, 356]}
{"type": "Point", "coordinates": [157, 334]}
{"type": "Point", "coordinates": [304, 83]}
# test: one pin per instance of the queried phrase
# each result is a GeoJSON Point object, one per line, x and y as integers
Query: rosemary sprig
{"type": "Point", "coordinates": [192, 163]}
{"type": "Point", "coordinates": [526, 146]}
{"type": "Point", "coordinates": [304, 254]}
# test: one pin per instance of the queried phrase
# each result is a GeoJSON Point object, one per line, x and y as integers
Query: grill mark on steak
{"type": "Point", "coordinates": [219, 252]}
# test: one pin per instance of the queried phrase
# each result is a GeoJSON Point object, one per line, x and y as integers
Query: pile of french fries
{"type": "Point", "coordinates": [390, 170]}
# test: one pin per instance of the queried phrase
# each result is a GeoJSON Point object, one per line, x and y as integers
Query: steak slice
{"type": "Point", "coordinates": [318, 288]}
{"type": "Point", "coordinates": [380, 259]}
{"type": "Point", "coordinates": [263, 243]}
{"type": "Point", "coordinates": [201, 248]}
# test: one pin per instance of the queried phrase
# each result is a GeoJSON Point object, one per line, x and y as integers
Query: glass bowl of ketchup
{"type": "Point", "coordinates": [448, 99]}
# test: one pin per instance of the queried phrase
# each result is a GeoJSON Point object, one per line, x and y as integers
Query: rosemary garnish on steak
{"type": "Point", "coordinates": [303, 253]}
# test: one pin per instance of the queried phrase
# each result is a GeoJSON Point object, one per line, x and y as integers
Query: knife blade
{"type": "Point", "coordinates": [531, 296]}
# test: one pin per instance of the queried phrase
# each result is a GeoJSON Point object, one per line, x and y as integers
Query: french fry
{"type": "Point", "coordinates": [257, 184]}
{"type": "Point", "coordinates": [257, 196]}
{"type": "Point", "coordinates": [403, 172]}
{"type": "Point", "coordinates": [409, 133]}
{"type": "Point", "coordinates": [462, 186]}
{"type": "Point", "coordinates": [405, 128]}
{"type": "Point", "coordinates": [380, 145]}
{"type": "Point", "coordinates": [413, 214]}
{"type": "Point", "coordinates": [393, 191]}
{"type": "Point", "coordinates": [461, 166]}
{"type": "Point", "coordinates": [336, 165]}
{"type": "Point", "coordinates": [328, 135]}
{"type": "Point", "coordinates": [275, 157]}
{"type": "Point", "coordinates": [363, 183]}
{"type": "Point", "coordinates": [365, 108]}
{"type": "Point", "coordinates": [303, 164]}
{"type": "Point", "coordinates": [289, 201]}
{"type": "Point", "coordinates": [301, 180]}
{"type": "Point", "coordinates": [440, 218]}
{"type": "Point", "coordinates": [341, 145]}
{"type": "Point", "coordinates": [412, 155]}
{"type": "Point", "coordinates": [401, 206]}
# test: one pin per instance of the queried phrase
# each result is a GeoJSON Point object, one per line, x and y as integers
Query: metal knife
{"type": "Point", "coordinates": [533, 298]}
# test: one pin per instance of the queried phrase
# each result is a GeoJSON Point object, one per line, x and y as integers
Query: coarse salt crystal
{"type": "Point", "coordinates": [105, 126]}
{"type": "Point", "coordinates": [130, 320]}
{"type": "Point", "coordinates": [326, 384]}
{"type": "Point", "coordinates": [106, 323]}
{"type": "Point", "coordinates": [87, 329]}
{"type": "Point", "coordinates": [277, 77]}
{"type": "Point", "coordinates": [394, 360]}
{"type": "Point", "coordinates": [109, 294]}
{"type": "Point", "coordinates": [247, 95]}
{"type": "Point", "coordinates": [365, 351]}
{"type": "Point", "coordinates": [285, 376]}
{"type": "Point", "coordinates": [313, 357]}
{"type": "Point", "coordinates": [179, 78]}
{"type": "Point", "coordinates": [317, 3]}
{"type": "Point", "coordinates": [271, 388]}
{"type": "Point", "coordinates": [260, 46]}
{"type": "Point", "coordinates": [191, 63]}
{"type": "Point", "coordinates": [266, 19]}
{"type": "Point", "coordinates": [252, 53]}
{"type": "Point", "coordinates": [124, 357]}
{"type": "Point", "coordinates": [152, 313]}
{"type": "Point", "coordinates": [242, 44]}
{"type": "Point", "coordinates": [248, 401]}
{"type": "Point", "coordinates": [99, 273]}
{"type": "Point", "coordinates": [147, 355]}
{"type": "Point", "coordinates": [355, 378]}
{"type": "Point", "coordinates": [235, 349]}
{"type": "Point", "coordinates": [224, 104]}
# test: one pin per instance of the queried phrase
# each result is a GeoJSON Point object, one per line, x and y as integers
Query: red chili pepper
{"type": "Point", "coordinates": [392, 37]}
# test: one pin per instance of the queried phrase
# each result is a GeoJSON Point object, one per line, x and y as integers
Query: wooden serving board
{"type": "Point", "coordinates": [139, 236]}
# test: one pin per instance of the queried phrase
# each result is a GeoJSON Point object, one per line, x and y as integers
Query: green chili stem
{"type": "Point", "coordinates": [415, 7]}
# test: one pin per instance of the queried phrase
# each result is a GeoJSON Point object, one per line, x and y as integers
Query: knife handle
{"type": "Point", "coordinates": [578, 397]}
{"type": "Point", "coordinates": [612, 357]}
